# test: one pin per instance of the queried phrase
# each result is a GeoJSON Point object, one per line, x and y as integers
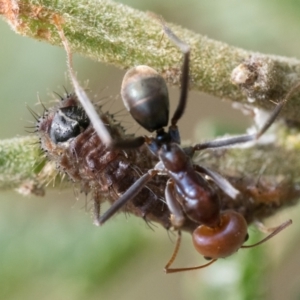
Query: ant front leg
{"type": "Point", "coordinates": [185, 49]}
{"type": "Point", "coordinates": [177, 216]}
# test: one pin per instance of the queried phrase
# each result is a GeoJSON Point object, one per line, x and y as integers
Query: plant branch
{"type": "Point", "coordinates": [268, 176]}
{"type": "Point", "coordinates": [114, 33]}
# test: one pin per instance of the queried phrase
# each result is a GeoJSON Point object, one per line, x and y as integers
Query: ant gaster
{"type": "Point", "coordinates": [188, 194]}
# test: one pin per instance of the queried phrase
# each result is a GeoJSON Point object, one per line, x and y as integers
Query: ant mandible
{"type": "Point", "coordinates": [188, 194]}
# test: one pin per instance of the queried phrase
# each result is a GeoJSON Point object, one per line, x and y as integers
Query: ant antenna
{"type": "Point", "coordinates": [169, 270]}
{"type": "Point", "coordinates": [276, 231]}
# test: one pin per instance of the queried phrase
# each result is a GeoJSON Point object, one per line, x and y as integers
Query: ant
{"type": "Point", "coordinates": [188, 194]}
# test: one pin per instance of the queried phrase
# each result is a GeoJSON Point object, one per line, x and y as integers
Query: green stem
{"type": "Point", "coordinates": [117, 34]}
{"type": "Point", "coordinates": [114, 33]}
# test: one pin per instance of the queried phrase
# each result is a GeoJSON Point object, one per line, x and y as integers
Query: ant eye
{"type": "Point", "coordinates": [246, 237]}
{"type": "Point", "coordinates": [145, 96]}
{"type": "Point", "coordinates": [68, 122]}
{"type": "Point", "coordinates": [207, 258]}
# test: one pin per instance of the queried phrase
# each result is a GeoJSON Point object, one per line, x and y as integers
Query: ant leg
{"type": "Point", "coordinates": [220, 181]}
{"type": "Point", "coordinates": [261, 227]}
{"type": "Point", "coordinates": [128, 195]}
{"type": "Point", "coordinates": [249, 137]}
{"type": "Point", "coordinates": [185, 49]}
{"type": "Point", "coordinates": [96, 209]}
{"type": "Point", "coordinates": [86, 103]}
{"type": "Point", "coordinates": [173, 257]}
{"type": "Point", "coordinates": [82, 96]}
{"type": "Point", "coordinates": [128, 143]}
{"type": "Point", "coordinates": [177, 216]}
{"type": "Point", "coordinates": [276, 231]}
{"type": "Point", "coordinates": [174, 254]}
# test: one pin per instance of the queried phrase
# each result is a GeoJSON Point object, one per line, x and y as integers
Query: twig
{"type": "Point", "coordinates": [113, 33]}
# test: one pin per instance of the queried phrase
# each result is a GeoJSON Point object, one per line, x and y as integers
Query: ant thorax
{"type": "Point", "coordinates": [69, 140]}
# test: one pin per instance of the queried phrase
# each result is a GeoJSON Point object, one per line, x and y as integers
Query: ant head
{"type": "Point", "coordinates": [223, 240]}
{"type": "Point", "coordinates": [174, 158]}
{"type": "Point", "coordinates": [145, 96]}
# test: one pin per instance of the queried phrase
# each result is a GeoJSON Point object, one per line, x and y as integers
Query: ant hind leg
{"type": "Point", "coordinates": [173, 257]}
{"type": "Point", "coordinates": [185, 49]}
{"type": "Point", "coordinates": [249, 137]}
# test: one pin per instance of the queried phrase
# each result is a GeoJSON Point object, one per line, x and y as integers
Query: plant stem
{"type": "Point", "coordinates": [113, 33]}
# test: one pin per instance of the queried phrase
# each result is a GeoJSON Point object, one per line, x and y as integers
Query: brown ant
{"type": "Point", "coordinates": [188, 194]}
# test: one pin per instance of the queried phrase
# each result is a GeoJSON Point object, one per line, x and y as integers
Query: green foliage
{"type": "Point", "coordinates": [50, 253]}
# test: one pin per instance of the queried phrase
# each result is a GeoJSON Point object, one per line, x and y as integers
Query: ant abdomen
{"type": "Point", "coordinates": [222, 240]}
{"type": "Point", "coordinates": [145, 96]}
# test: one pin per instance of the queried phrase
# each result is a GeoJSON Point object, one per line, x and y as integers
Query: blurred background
{"type": "Point", "coordinates": [49, 248]}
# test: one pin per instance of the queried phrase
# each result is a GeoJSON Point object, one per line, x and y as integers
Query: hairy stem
{"type": "Point", "coordinates": [113, 33]}
{"type": "Point", "coordinates": [268, 176]}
